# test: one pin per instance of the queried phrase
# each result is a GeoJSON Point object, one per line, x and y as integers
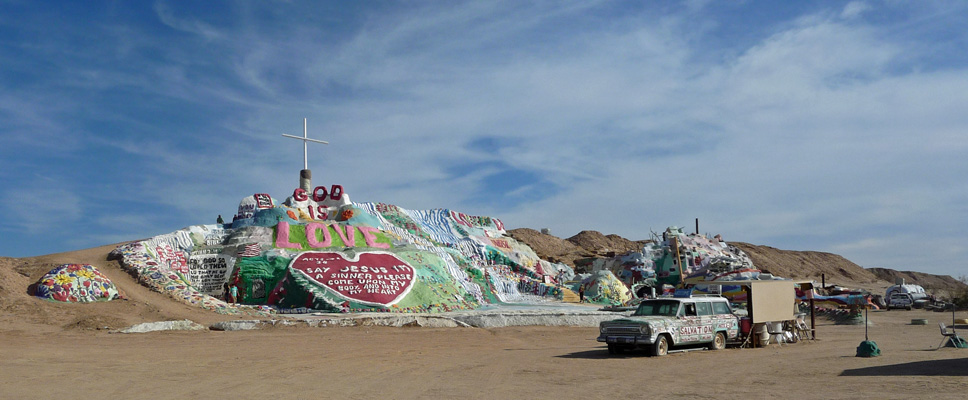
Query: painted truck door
{"type": "Point", "coordinates": [725, 320]}
{"type": "Point", "coordinates": [708, 321]}
{"type": "Point", "coordinates": [690, 324]}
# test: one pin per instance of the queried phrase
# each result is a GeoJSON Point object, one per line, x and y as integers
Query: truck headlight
{"type": "Point", "coordinates": [601, 328]}
{"type": "Point", "coordinates": [644, 329]}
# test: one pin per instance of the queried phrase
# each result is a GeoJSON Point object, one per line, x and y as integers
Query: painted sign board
{"type": "Point", "coordinates": [208, 272]}
{"type": "Point", "coordinates": [376, 278]}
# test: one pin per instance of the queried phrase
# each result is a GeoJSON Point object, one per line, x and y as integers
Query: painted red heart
{"type": "Point", "coordinates": [376, 278]}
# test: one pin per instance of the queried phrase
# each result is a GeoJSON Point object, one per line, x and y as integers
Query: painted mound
{"type": "Point", "coordinates": [604, 287]}
{"type": "Point", "coordinates": [76, 283]}
{"type": "Point", "coordinates": [326, 253]}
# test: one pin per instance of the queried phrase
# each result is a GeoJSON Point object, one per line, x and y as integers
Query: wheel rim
{"type": "Point", "coordinates": [663, 346]}
{"type": "Point", "coordinates": [720, 342]}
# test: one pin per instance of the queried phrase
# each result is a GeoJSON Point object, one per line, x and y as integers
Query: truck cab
{"type": "Point", "coordinates": [662, 323]}
{"type": "Point", "coordinates": [900, 300]}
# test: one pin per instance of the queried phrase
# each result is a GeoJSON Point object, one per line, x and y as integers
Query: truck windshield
{"type": "Point", "coordinates": [666, 308]}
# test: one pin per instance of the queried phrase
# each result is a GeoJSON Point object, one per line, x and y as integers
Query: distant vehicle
{"type": "Point", "coordinates": [917, 292]}
{"type": "Point", "coordinates": [900, 300]}
{"type": "Point", "coordinates": [938, 306]}
{"type": "Point", "coordinates": [660, 324]}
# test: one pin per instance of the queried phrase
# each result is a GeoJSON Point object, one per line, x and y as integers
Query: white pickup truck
{"type": "Point", "coordinates": [900, 300]}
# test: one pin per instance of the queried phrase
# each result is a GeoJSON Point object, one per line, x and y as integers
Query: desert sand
{"type": "Point", "coordinates": [58, 351]}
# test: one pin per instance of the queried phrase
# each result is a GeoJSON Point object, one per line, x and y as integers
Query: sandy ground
{"type": "Point", "coordinates": [526, 362]}
{"type": "Point", "coordinates": [54, 350]}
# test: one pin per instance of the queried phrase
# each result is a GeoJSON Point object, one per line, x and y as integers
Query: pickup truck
{"type": "Point", "coordinates": [900, 300]}
{"type": "Point", "coordinates": [659, 324]}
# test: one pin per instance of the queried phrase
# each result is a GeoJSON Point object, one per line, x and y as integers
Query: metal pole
{"type": "Point", "coordinates": [305, 144]}
{"type": "Point", "coordinates": [866, 337]}
{"type": "Point", "coordinates": [813, 320]}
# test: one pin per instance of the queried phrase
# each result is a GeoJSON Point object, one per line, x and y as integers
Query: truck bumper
{"type": "Point", "coordinates": [622, 339]}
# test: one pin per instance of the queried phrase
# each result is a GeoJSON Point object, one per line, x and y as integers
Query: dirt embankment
{"type": "Point", "coordinates": [20, 310]}
{"type": "Point", "coordinates": [810, 265]}
{"type": "Point", "coordinates": [841, 271]}
{"type": "Point", "coordinates": [937, 284]}
{"type": "Point", "coordinates": [586, 244]}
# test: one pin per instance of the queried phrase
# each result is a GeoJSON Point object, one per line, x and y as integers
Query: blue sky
{"type": "Point", "coordinates": [830, 126]}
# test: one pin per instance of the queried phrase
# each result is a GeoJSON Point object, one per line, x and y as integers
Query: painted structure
{"type": "Point", "coordinates": [317, 251]}
{"type": "Point", "coordinates": [679, 258]}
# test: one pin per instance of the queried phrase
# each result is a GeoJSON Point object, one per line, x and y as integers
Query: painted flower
{"type": "Point", "coordinates": [74, 267]}
{"type": "Point", "coordinates": [62, 279]}
{"type": "Point", "coordinates": [346, 214]}
{"type": "Point", "coordinates": [59, 296]}
{"type": "Point", "coordinates": [85, 274]}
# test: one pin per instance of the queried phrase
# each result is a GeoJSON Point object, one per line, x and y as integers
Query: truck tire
{"type": "Point", "coordinates": [660, 347]}
{"type": "Point", "coordinates": [718, 343]}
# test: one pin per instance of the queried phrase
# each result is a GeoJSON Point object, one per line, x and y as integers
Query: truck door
{"type": "Point", "coordinates": [725, 319]}
{"type": "Point", "coordinates": [690, 324]}
{"type": "Point", "coordinates": [707, 321]}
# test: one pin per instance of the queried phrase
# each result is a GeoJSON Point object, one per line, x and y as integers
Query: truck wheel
{"type": "Point", "coordinates": [909, 308]}
{"type": "Point", "coordinates": [719, 342]}
{"type": "Point", "coordinates": [661, 346]}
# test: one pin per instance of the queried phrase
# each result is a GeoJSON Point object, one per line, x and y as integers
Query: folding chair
{"type": "Point", "coordinates": [800, 326]}
{"type": "Point", "coordinates": [775, 334]}
{"type": "Point", "coordinates": [947, 333]}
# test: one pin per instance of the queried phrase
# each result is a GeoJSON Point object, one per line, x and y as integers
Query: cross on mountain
{"type": "Point", "coordinates": [305, 138]}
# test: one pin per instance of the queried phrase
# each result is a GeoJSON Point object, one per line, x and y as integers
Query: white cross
{"type": "Point", "coordinates": [305, 138]}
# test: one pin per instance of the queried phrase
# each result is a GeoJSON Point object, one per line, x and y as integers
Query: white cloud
{"type": "Point", "coordinates": [189, 25]}
{"type": "Point", "coordinates": [854, 9]}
